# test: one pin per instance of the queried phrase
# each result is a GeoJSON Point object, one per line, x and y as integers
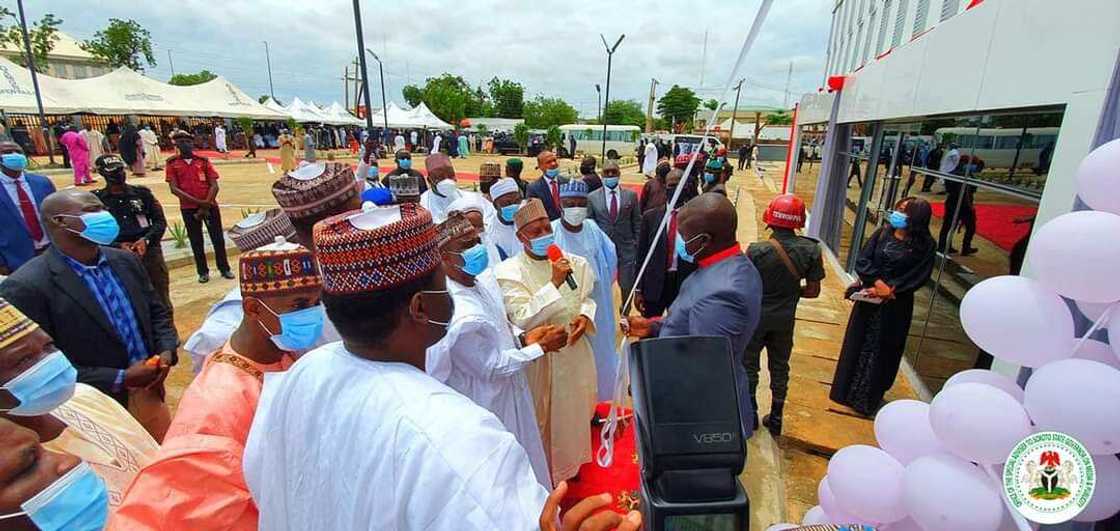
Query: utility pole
{"type": "Point", "coordinates": [346, 86]}
{"type": "Point", "coordinates": [789, 76]}
{"type": "Point", "coordinates": [170, 62]}
{"type": "Point", "coordinates": [35, 83]}
{"type": "Point", "coordinates": [649, 108]}
{"type": "Point", "coordinates": [384, 105]}
{"type": "Point", "coordinates": [610, 55]}
{"type": "Point", "coordinates": [734, 112]}
{"type": "Point", "coordinates": [703, 57]}
{"type": "Point", "coordinates": [268, 61]}
{"type": "Point", "coordinates": [362, 58]}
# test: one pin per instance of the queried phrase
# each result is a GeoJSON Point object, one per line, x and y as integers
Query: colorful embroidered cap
{"type": "Point", "coordinates": [490, 169]}
{"type": "Point", "coordinates": [316, 188]}
{"type": "Point", "coordinates": [13, 324]}
{"type": "Point", "coordinates": [573, 188]}
{"type": "Point", "coordinates": [455, 226]}
{"type": "Point", "coordinates": [277, 269]}
{"type": "Point", "coordinates": [260, 229]}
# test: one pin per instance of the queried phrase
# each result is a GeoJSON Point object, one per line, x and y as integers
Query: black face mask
{"type": "Point", "coordinates": [587, 170]}
{"type": "Point", "coordinates": [116, 177]}
{"type": "Point", "coordinates": [186, 150]}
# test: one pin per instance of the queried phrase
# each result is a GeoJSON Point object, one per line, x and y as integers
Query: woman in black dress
{"type": "Point", "coordinates": [894, 263]}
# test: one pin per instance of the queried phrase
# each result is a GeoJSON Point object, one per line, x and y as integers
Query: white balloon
{"type": "Point", "coordinates": [1098, 178]}
{"type": "Point", "coordinates": [867, 482]}
{"type": "Point", "coordinates": [978, 422]}
{"type": "Point", "coordinates": [902, 429]}
{"type": "Point", "coordinates": [1106, 494]}
{"type": "Point", "coordinates": [1017, 319]}
{"type": "Point", "coordinates": [942, 491]}
{"type": "Point", "coordinates": [986, 376]}
{"type": "Point", "coordinates": [906, 524]}
{"type": "Point", "coordinates": [1078, 255]}
{"type": "Point", "coordinates": [815, 516]}
{"type": "Point", "coordinates": [836, 513]}
{"type": "Point", "coordinates": [1114, 331]}
{"type": "Point", "coordinates": [1094, 350]}
{"type": "Point", "coordinates": [1079, 398]}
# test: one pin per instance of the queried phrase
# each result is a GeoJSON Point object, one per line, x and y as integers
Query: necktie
{"type": "Point", "coordinates": [671, 249]}
{"type": "Point", "coordinates": [27, 208]}
{"type": "Point", "coordinates": [614, 206]}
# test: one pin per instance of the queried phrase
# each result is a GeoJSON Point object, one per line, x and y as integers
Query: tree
{"type": "Point", "coordinates": [262, 98]}
{"type": "Point", "coordinates": [413, 95]}
{"type": "Point", "coordinates": [246, 125]}
{"type": "Point", "coordinates": [554, 136]}
{"type": "Point", "coordinates": [122, 43]}
{"type": "Point", "coordinates": [508, 98]}
{"type": "Point", "coordinates": [43, 35]}
{"type": "Point", "coordinates": [624, 112]}
{"type": "Point", "coordinates": [779, 118]}
{"type": "Point", "coordinates": [678, 105]}
{"type": "Point", "coordinates": [482, 130]}
{"type": "Point", "coordinates": [449, 97]}
{"type": "Point", "coordinates": [521, 135]}
{"type": "Point", "coordinates": [184, 80]}
{"type": "Point", "coordinates": [479, 104]}
{"type": "Point", "coordinates": [542, 113]}
{"type": "Point", "coordinates": [711, 104]}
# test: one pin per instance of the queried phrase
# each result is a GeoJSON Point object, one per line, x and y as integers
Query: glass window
{"type": "Point", "coordinates": [920, 18]}
{"type": "Point", "coordinates": [884, 19]}
{"type": "Point", "coordinates": [899, 22]}
{"type": "Point", "coordinates": [949, 8]}
{"type": "Point", "coordinates": [808, 169]}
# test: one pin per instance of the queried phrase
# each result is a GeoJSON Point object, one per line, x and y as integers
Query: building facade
{"type": "Point", "coordinates": [66, 60]}
{"type": "Point", "coordinates": [1012, 89]}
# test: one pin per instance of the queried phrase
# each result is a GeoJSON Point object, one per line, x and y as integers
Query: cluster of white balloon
{"type": "Point", "coordinates": [938, 465]}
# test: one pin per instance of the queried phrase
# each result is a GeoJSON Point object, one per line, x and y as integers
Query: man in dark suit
{"type": "Point", "coordinates": [547, 188]}
{"type": "Point", "coordinates": [616, 211]}
{"type": "Point", "coordinates": [96, 302]}
{"type": "Point", "coordinates": [661, 283]}
{"type": "Point", "coordinates": [21, 225]}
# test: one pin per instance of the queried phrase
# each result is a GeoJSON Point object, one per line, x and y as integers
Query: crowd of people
{"type": "Point", "coordinates": [398, 351]}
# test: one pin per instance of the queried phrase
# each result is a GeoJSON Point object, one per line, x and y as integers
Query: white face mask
{"type": "Point", "coordinates": [447, 188]}
{"type": "Point", "coordinates": [575, 215]}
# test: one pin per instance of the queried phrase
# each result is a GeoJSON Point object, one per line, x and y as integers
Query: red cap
{"type": "Point", "coordinates": [786, 211]}
{"type": "Point", "coordinates": [682, 160]}
{"type": "Point", "coordinates": [721, 151]}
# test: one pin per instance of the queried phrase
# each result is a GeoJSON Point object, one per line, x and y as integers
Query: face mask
{"type": "Point", "coordinates": [14, 161]}
{"type": "Point", "coordinates": [405, 164]}
{"type": "Point", "coordinates": [575, 215]}
{"type": "Point", "coordinates": [43, 386]}
{"type": "Point", "coordinates": [552, 173]}
{"type": "Point", "coordinates": [371, 173]}
{"type": "Point", "coordinates": [101, 227]}
{"type": "Point", "coordinates": [299, 329]}
{"type": "Point", "coordinates": [709, 178]}
{"type": "Point", "coordinates": [116, 177]}
{"type": "Point", "coordinates": [508, 212]}
{"type": "Point", "coordinates": [540, 244]}
{"type": "Point", "coordinates": [76, 501]}
{"type": "Point", "coordinates": [682, 248]}
{"type": "Point", "coordinates": [443, 324]}
{"type": "Point", "coordinates": [447, 188]}
{"type": "Point", "coordinates": [610, 182]}
{"type": "Point", "coordinates": [898, 219]}
{"type": "Point", "coordinates": [475, 260]}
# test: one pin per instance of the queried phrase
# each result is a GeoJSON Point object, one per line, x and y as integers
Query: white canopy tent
{"type": "Point", "coordinates": [124, 91]}
{"type": "Point", "coordinates": [426, 118]}
{"type": "Point", "coordinates": [344, 118]}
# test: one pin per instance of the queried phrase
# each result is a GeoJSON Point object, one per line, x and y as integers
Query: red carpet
{"type": "Point", "coordinates": [996, 223]}
{"type": "Point", "coordinates": [621, 479]}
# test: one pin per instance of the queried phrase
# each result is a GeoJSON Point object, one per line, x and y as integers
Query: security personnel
{"type": "Point", "coordinates": [783, 262]}
{"type": "Point", "coordinates": [141, 219]}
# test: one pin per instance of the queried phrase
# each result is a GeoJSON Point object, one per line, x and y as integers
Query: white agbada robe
{"type": "Point", "coordinates": [96, 142]}
{"type": "Point", "coordinates": [398, 142]}
{"type": "Point", "coordinates": [489, 218]}
{"type": "Point", "coordinates": [481, 358]}
{"type": "Point", "coordinates": [435, 143]}
{"type": "Point", "coordinates": [649, 162]}
{"type": "Point", "coordinates": [223, 318]}
{"type": "Point", "coordinates": [505, 237]}
{"type": "Point", "coordinates": [344, 443]}
{"type": "Point", "coordinates": [440, 206]}
{"type": "Point", "coordinates": [594, 245]}
{"type": "Point", "coordinates": [563, 383]}
{"type": "Point", "coordinates": [220, 138]}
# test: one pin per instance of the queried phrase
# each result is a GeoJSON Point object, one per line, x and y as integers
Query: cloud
{"type": "Point", "coordinates": [551, 46]}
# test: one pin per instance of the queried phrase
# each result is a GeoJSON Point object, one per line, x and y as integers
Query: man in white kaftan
{"type": "Point", "coordinates": [482, 216]}
{"type": "Point", "coordinates": [220, 139]}
{"type": "Point", "coordinates": [506, 198]}
{"type": "Point", "coordinates": [649, 162]}
{"type": "Point", "coordinates": [575, 234]}
{"type": "Point", "coordinates": [563, 383]}
{"type": "Point", "coordinates": [443, 189]}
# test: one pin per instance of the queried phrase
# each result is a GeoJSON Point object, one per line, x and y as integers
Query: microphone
{"type": "Point", "coordinates": [555, 255]}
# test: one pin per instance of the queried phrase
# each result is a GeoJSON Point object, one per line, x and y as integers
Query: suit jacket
{"type": "Point", "coordinates": [540, 190]}
{"type": "Point", "coordinates": [624, 229]}
{"type": "Point", "coordinates": [652, 283]}
{"type": "Point", "coordinates": [52, 295]}
{"type": "Point", "coordinates": [16, 246]}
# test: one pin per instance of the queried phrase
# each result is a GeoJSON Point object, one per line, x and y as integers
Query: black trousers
{"type": "Point", "coordinates": [967, 218]}
{"type": "Point", "coordinates": [214, 227]}
{"type": "Point", "coordinates": [669, 292]}
{"type": "Point", "coordinates": [777, 339]}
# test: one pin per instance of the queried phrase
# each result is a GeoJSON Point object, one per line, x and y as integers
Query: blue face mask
{"type": "Point", "coordinates": [552, 173]}
{"type": "Point", "coordinates": [101, 227]}
{"type": "Point", "coordinates": [475, 260]}
{"type": "Point", "coordinates": [299, 329]}
{"type": "Point", "coordinates": [610, 182]}
{"type": "Point", "coordinates": [898, 220]}
{"type": "Point", "coordinates": [372, 173]}
{"type": "Point", "coordinates": [709, 178]}
{"type": "Point", "coordinates": [43, 386]}
{"type": "Point", "coordinates": [76, 501]}
{"type": "Point", "coordinates": [682, 248]}
{"type": "Point", "coordinates": [14, 161]}
{"type": "Point", "coordinates": [508, 212]}
{"type": "Point", "coordinates": [540, 244]}
{"type": "Point", "coordinates": [405, 164]}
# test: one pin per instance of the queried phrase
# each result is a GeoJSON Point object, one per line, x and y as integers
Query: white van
{"type": "Point", "coordinates": [621, 139]}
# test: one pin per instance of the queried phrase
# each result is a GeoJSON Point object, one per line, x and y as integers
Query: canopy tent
{"type": "Point", "coordinates": [344, 118]}
{"type": "Point", "coordinates": [304, 113]}
{"type": "Point", "coordinates": [274, 105]}
{"type": "Point", "coordinates": [124, 91]}
{"type": "Point", "coordinates": [426, 118]}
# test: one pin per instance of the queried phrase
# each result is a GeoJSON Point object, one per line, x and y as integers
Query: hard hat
{"type": "Point", "coordinates": [786, 211]}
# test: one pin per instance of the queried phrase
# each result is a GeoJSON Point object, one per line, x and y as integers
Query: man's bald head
{"type": "Point", "coordinates": [709, 214]}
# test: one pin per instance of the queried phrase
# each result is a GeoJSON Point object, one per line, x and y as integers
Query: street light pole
{"type": "Point", "coordinates": [649, 108]}
{"type": "Point", "coordinates": [170, 62]}
{"type": "Point", "coordinates": [35, 82]}
{"type": "Point", "coordinates": [362, 59]}
{"type": "Point", "coordinates": [734, 111]}
{"type": "Point", "coordinates": [599, 108]}
{"type": "Point", "coordinates": [268, 61]}
{"type": "Point", "coordinates": [610, 55]}
{"type": "Point", "coordinates": [384, 106]}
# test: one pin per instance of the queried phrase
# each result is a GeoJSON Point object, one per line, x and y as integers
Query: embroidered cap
{"type": "Point", "coordinates": [530, 211]}
{"type": "Point", "coordinates": [573, 188]}
{"type": "Point", "coordinates": [13, 324]}
{"type": "Point", "coordinates": [504, 186]}
{"type": "Point", "coordinates": [260, 229]}
{"type": "Point", "coordinates": [279, 268]}
{"type": "Point", "coordinates": [315, 189]}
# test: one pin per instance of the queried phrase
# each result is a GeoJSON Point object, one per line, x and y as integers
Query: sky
{"type": "Point", "coordinates": [551, 47]}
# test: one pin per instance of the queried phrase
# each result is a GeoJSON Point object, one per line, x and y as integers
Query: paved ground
{"type": "Point", "coordinates": [781, 476]}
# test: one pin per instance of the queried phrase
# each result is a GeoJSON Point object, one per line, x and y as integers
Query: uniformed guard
{"type": "Point", "coordinates": [141, 219]}
{"type": "Point", "coordinates": [783, 261]}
